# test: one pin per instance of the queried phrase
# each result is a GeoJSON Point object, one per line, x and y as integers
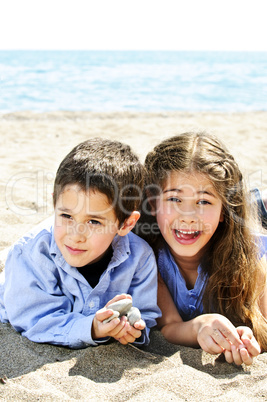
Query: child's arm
{"type": "Point", "coordinates": [214, 333]}
{"type": "Point", "coordinates": [36, 305]}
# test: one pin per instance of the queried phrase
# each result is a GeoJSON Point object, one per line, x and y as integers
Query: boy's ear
{"type": "Point", "coordinates": [129, 223]}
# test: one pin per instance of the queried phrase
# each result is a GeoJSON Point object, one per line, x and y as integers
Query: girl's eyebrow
{"type": "Point", "coordinates": [200, 192]}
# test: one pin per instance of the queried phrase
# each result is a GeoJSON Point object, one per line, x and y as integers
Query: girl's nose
{"type": "Point", "coordinates": [188, 215]}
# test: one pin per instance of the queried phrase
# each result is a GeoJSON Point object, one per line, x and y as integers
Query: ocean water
{"type": "Point", "coordinates": [107, 81]}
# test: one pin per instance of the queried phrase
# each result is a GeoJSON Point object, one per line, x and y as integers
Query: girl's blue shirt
{"type": "Point", "coordinates": [188, 302]}
{"type": "Point", "coordinates": [47, 300]}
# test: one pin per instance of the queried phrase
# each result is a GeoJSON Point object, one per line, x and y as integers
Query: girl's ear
{"type": "Point", "coordinates": [129, 223]}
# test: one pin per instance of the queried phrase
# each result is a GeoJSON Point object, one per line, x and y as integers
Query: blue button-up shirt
{"type": "Point", "coordinates": [47, 300]}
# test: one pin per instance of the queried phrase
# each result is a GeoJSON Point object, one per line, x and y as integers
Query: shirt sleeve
{"type": "Point", "coordinates": [144, 293]}
{"type": "Point", "coordinates": [37, 307]}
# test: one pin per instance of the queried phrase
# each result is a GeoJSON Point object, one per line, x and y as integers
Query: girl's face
{"type": "Point", "coordinates": [188, 212]}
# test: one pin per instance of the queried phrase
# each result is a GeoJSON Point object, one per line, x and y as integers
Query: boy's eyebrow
{"type": "Point", "coordinates": [67, 210]}
{"type": "Point", "coordinates": [177, 190]}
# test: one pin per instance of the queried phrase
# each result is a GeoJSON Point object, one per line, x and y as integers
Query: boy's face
{"type": "Point", "coordinates": [85, 225]}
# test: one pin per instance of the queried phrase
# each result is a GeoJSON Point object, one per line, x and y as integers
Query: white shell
{"type": "Point", "coordinates": [122, 306]}
{"type": "Point", "coordinates": [133, 315]}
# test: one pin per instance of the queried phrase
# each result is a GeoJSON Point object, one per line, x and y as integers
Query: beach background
{"type": "Point", "coordinates": [33, 145]}
{"type": "Point", "coordinates": [52, 100]}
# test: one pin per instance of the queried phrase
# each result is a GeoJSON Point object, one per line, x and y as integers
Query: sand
{"type": "Point", "coordinates": [32, 147]}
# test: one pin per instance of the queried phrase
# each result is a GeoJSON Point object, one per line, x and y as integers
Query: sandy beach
{"type": "Point", "coordinates": [32, 147]}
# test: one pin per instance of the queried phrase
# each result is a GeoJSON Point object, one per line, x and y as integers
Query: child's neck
{"type": "Point", "coordinates": [188, 268]}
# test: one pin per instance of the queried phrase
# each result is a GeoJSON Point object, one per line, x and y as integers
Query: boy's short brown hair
{"type": "Point", "coordinates": [109, 167]}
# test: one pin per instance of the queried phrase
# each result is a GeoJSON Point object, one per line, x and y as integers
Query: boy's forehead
{"type": "Point", "coordinates": [73, 196]}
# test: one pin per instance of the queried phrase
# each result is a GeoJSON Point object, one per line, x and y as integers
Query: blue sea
{"type": "Point", "coordinates": [150, 81]}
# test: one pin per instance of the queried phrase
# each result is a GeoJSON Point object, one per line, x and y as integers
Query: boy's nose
{"type": "Point", "coordinates": [78, 232]}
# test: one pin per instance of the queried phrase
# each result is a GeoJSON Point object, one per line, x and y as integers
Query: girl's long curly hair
{"type": "Point", "coordinates": [236, 276]}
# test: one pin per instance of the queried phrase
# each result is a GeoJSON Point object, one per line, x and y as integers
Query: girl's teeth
{"type": "Point", "coordinates": [179, 232]}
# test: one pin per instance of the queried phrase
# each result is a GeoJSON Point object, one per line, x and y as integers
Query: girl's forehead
{"type": "Point", "coordinates": [187, 180]}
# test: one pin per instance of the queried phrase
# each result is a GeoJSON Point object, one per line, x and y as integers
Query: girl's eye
{"type": "Point", "coordinates": [203, 202]}
{"type": "Point", "coordinates": [174, 199]}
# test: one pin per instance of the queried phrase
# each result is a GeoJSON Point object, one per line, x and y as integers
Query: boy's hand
{"type": "Point", "coordinates": [116, 328]}
{"type": "Point", "coordinates": [133, 333]}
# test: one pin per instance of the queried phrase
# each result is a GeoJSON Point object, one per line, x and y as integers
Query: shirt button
{"type": "Point", "coordinates": [91, 304]}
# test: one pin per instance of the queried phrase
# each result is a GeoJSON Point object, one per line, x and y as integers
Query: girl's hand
{"type": "Point", "coordinates": [216, 334]}
{"type": "Point", "coordinates": [246, 353]}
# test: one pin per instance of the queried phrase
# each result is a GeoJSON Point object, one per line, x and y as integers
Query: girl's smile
{"type": "Point", "coordinates": [186, 237]}
{"type": "Point", "coordinates": [188, 212]}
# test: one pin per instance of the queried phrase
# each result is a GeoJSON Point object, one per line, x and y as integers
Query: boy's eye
{"type": "Point", "coordinates": [65, 216]}
{"type": "Point", "coordinates": [94, 222]}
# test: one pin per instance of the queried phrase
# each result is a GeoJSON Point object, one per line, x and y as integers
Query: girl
{"type": "Point", "coordinates": [212, 282]}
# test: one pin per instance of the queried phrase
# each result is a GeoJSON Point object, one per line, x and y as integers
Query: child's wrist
{"type": "Point", "coordinates": [93, 330]}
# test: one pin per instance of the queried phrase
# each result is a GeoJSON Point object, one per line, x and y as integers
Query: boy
{"type": "Point", "coordinates": [59, 281]}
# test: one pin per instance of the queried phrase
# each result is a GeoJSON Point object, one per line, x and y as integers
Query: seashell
{"type": "Point", "coordinates": [122, 306]}
{"type": "Point", "coordinates": [133, 315]}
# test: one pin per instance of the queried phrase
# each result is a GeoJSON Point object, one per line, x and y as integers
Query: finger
{"type": "Point", "coordinates": [252, 346]}
{"type": "Point", "coordinates": [119, 297]}
{"type": "Point", "coordinates": [228, 356]}
{"type": "Point", "coordinates": [136, 333]}
{"type": "Point", "coordinates": [220, 339]}
{"type": "Point", "coordinates": [245, 332]}
{"type": "Point", "coordinates": [126, 339]}
{"type": "Point", "coordinates": [210, 346]}
{"type": "Point", "coordinates": [122, 341]}
{"type": "Point", "coordinates": [231, 336]}
{"type": "Point", "coordinates": [236, 355]}
{"type": "Point", "coordinates": [245, 356]}
{"type": "Point", "coordinates": [121, 329]}
{"type": "Point", "coordinates": [225, 328]}
{"type": "Point", "coordinates": [111, 326]}
{"type": "Point", "coordinates": [103, 314]}
{"type": "Point", "coordinates": [140, 324]}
